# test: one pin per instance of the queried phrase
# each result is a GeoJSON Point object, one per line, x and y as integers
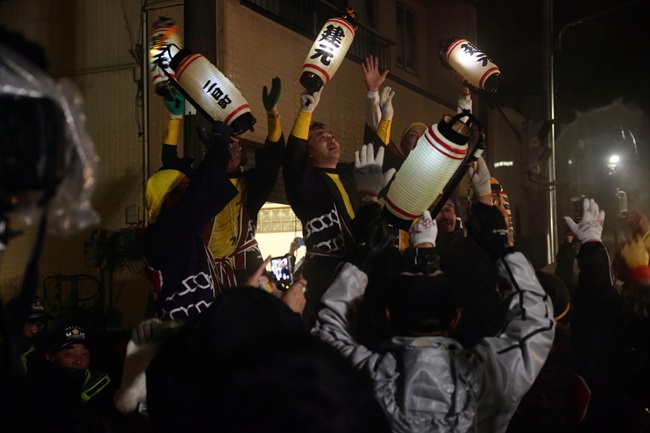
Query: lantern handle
{"type": "Point", "coordinates": [473, 153]}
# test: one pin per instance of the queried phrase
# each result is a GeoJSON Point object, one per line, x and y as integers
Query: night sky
{"type": "Point", "coordinates": [601, 65]}
{"type": "Point", "coordinates": [601, 59]}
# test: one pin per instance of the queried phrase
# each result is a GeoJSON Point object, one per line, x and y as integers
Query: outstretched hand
{"type": "Point", "coordinates": [270, 99]}
{"type": "Point", "coordinates": [386, 103]}
{"type": "Point", "coordinates": [309, 101]}
{"type": "Point", "coordinates": [590, 227]}
{"type": "Point", "coordinates": [175, 104]}
{"type": "Point", "coordinates": [423, 233]}
{"type": "Point", "coordinates": [368, 174]}
{"type": "Point", "coordinates": [374, 79]}
{"type": "Point", "coordinates": [481, 180]}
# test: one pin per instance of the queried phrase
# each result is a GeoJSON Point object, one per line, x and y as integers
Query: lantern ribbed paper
{"type": "Point", "coordinates": [423, 175]}
{"type": "Point", "coordinates": [473, 65]}
{"type": "Point", "coordinates": [327, 53]}
{"type": "Point", "coordinates": [164, 43]}
{"type": "Point", "coordinates": [215, 94]}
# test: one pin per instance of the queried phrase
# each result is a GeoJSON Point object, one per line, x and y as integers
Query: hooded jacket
{"type": "Point", "coordinates": [433, 384]}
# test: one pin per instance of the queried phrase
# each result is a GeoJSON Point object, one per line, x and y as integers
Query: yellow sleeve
{"type": "Point", "coordinates": [171, 132]}
{"type": "Point", "coordinates": [301, 126]}
{"type": "Point", "coordinates": [274, 128]}
{"type": "Point", "coordinates": [383, 130]}
{"type": "Point", "coordinates": [403, 240]}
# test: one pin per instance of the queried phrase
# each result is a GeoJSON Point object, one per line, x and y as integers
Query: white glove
{"type": "Point", "coordinates": [373, 112]}
{"type": "Point", "coordinates": [367, 170]}
{"type": "Point", "coordinates": [590, 227]}
{"type": "Point", "coordinates": [152, 330]}
{"type": "Point", "coordinates": [309, 101]}
{"type": "Point", "coordinates": [423, 231]}
{"type": "Point", "coordinates": [386, 103]}
{"type": "Point", "coordinates": [480, 178]}
{"type": "Point", "coordinates": [133, 388]}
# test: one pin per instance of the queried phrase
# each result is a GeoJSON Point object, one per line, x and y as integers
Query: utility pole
{"type": "Point", "coordinates": [548, 66]}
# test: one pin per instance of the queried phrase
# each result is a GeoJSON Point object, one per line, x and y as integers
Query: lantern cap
{"type": "Point", "coordinates": [454, 129]}
{"type": "Point", "coordinates": [243, 123]}
{"type": "Point", "coordinates": [163, 22]}
{"type": "Point", "coordinates": [311, 81]}
{"type": "Point", "coordinates": [350, 16]}
{"type": "Point", "coordinates": [443, 46]}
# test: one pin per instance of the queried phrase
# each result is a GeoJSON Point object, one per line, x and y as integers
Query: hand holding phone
{"type": "Point", "coordinates": [282, 272]}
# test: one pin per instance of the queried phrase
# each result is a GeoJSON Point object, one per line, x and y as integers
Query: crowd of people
{"type": "Point", "coordinates": [444, 327]}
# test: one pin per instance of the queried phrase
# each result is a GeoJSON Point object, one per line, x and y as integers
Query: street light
{"type": "Point", "coordinates": [612, 163]}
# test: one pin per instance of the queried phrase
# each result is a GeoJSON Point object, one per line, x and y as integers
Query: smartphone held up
{"type": "Point", "coordinates": [282, 272]}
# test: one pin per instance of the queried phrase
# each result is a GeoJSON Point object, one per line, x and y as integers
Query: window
{"type": "Point", "coordinates": [406, 38]}
{"type": "Point", "coordinates": [274, 218]}
{"type": "Point", "coordinates": [367, 11]}
{"type": "Point", "coordinates": [307, 18]}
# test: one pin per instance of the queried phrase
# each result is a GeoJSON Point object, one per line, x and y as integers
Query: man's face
{"type": "Point", "coordinates": [411, 137]}
{"type": "Point", "coordinates": [324, 149]}
{"type": "Point", "coordinates": [236, 150]}
{"type": "Point", "coordinates": [30, 329]}
{"type": "Point", "coordinates": [73, 356]}
{"type": "Point", "coordinates": [446, 218]}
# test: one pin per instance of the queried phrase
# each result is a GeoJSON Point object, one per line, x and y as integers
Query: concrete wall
{"type": "Point", "coordinates": [91, 42]}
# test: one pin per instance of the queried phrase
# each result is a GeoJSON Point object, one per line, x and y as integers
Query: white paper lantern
{"type": "Point", "coordinates": [473, 65]}
{"type": "Point", "coordinates": [328, 51]}
{"type": "Point", "coordinates": [215, 94]}
{"type": "Point", "coordinates": [423, 175]}
{"type": "Point", "coordinates": [164, 44]}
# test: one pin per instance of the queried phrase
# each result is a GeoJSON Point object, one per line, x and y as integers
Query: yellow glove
{"type": "Point", "coordinates": [636, 258]}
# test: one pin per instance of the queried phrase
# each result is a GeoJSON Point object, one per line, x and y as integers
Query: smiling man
{"type": "Point", "coordinates": [322, 194]}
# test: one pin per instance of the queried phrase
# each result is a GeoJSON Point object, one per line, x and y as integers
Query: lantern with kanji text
{"type": "Point", "coordinates": [164, 43]}
{"type": "Point", "coordinates": [328, 50]}
{"type": "Point", "coordinates": [476, 68]}
{"type": "Point", "coordinates": [211, 91]}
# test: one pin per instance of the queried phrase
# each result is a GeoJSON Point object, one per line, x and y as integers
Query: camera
{"type": "Point", "coordinates": [47, 158]}
{"type": "Point", "coordinates": [31, 155]}
{"type": "Point", "coordinates": [282, 272]}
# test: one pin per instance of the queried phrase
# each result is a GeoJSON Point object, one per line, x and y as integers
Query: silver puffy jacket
{"type": "Point", "coordinates": [433, 384]}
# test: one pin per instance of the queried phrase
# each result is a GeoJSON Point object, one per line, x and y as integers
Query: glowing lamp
{"type": "Point", "coordinates": [329, 50]}
{"type": "Point", "coordinates": [211, 91]}
{"type": "Point", "coordinates": [471, 63]}
{"type": "Point", "coordinates": [164, 43]}
{"type": "Point", "coordinates": [425, 172]}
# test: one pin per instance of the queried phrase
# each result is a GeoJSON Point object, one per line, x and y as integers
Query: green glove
{"type": "Point", "coordinates": [270, 99]}
{"type": "Point", "coordinates": [175, 105]}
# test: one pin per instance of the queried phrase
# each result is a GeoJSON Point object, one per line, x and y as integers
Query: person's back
{"type": "Point", "coordinates": [426, 381]}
